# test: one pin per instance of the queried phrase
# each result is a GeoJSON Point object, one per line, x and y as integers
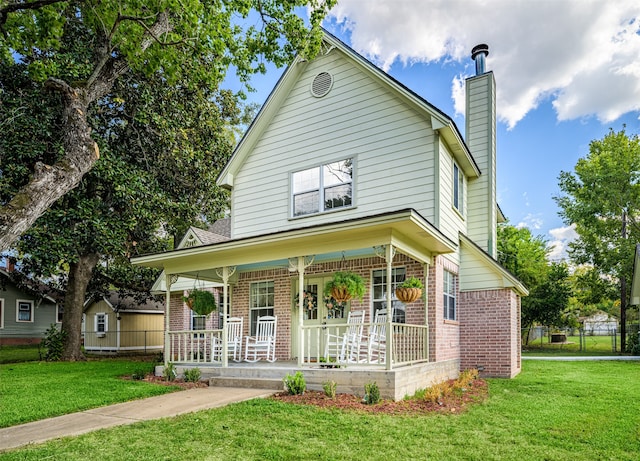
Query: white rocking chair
{"type": "Point", "coordinates": [263, 344]}
{"type": "Point", "coordinates": [377, 340]}
{"type": "Point", "coordinates": [346, 347]}
{"type": "Point", "coordinates": [234, 340]}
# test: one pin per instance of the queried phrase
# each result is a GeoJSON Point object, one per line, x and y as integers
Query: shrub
{"type": "Point", "coordinates": [330, 389]}
{"type": "Point", "coordinates": [192, 375]}
{"type": "Point", "coordinates": [466, 378]}
{"type": "Point", "coordinates": [295, 384]}
{"type": "Point", "coordinates": [54, 343]}
{"type": "Point", "coordinates": [371, 393]}
{"type": "Point", "coordinates": [435, 393]}
{"type": "Point", "coordinates": [169, 372]}
{"type": "Point", "coordinates": [633, 344]}
{"type": "Point", "coordinates": [139, 374]}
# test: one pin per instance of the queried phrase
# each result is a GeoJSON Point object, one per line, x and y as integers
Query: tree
{"type": "Point", "coordinates": [601, 199]}
{"type": "Point", "coordinates": [163, 147]}
{"type": "Point", "coordinates": [172, 39]}
{"type": "Point", "coordinates": [525, 256]}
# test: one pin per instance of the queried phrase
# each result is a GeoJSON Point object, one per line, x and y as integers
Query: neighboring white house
{"type": "Point", "coordinates": [600, 324]}
{"type": "Point", "coordinates": [346, 168]}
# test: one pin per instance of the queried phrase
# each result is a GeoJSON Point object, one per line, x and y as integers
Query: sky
{"type": "Point", "coordinates": [566, 71]}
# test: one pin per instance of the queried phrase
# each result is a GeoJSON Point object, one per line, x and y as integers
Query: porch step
{"type": "Point", "coordinates": [249, 383]}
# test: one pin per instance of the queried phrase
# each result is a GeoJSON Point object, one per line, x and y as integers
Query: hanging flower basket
{"type": "Point", "coordinates": [410, 290]}
{"type": "Point", "coordinates": [201, 302]}
{"type": "Point", "coordinates": [408, 295]}
{"type": "Point", "coordinates": [344, 286]}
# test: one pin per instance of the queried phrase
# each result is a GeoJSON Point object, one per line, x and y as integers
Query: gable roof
{"type": "Point", "coordinates": [196, 237]}
{"type": "Point", "coordinates": [126, 303]}
{"type": "Point", "coordinates": [508, 279]}
{"type": "Point", "coordinates": [439, 120]}
{"type": "Point", "coordinates": [28, 285]}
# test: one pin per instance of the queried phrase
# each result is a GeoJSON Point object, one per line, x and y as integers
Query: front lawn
{"type": "Point", "coordinates": [37, 390]}
{"type": "Point", "coordinates": [552, 411]}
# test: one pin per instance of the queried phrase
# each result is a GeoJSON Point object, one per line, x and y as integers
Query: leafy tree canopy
{"type": "Point", "coordinates": [191, 42]}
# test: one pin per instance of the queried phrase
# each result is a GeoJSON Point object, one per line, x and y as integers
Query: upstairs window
{"type": "Point", "coordinates": [458, 188]}
{"type": "Point", "coordinates": [323, 188]}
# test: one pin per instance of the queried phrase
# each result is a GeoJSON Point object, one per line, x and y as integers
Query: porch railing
{"type": "Point", "coordinates": [332, 345]}
{"type": "Point", "coordinates": [193, 346]}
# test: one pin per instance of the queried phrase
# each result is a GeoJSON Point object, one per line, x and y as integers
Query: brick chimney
{"type": "Point", "coordinates": [480, 133]}
{"type": "Point", "coordinates": [10, 264]}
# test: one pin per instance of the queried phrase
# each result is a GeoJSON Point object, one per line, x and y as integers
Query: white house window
{"type": "Point", "coordinates": [59, 313]}
{"type": "Point", "coordinates": [458, 187]}
{"type": "Point", "coordinates": [261, 301]}
{"type": "Point", "coordinates": [100, 323]}
{"type": "Point", "coordinates": [379, 287]}
{"type": "Point", "coordinates": [24, 311]}
{"type": "Point", "coordinates": [449, 290]}
{"type": "Point", "coordinates": [322, 188]}
{"type": "Point", "coordinates": [1, 314]}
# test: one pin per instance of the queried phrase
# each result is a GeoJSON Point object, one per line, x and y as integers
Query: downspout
{"type": "Point", "coordinates": [426, 307]}
{"type": "Point", "coordinates": [389, 254]}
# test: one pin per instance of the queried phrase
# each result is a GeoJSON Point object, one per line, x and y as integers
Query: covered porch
{"type": "Point", "coordinates": [301, 260]}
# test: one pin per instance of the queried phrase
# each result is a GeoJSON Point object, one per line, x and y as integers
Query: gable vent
{"type": "Point", "coordinates": [321, 84]}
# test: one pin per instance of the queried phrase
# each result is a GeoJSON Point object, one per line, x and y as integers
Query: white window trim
{"type": "Point", "coordinates": [457, 180]}
{"type": "Point", "coordinates": [321, 189]}
{"type": "Point", "coordinates": [395, 303]}
{"type": "Point", "coordinates": [253, 309]}
{"type": "Point", "coordinates": [32, 310]}
{"type": "Point", "coordinates": [1, 313]}
{"type": "Point", "coordinates": [58, 307]}
{"type": "Point", "coordinates": [447, 295]}
{"type": "Point", "coordinates": [106, 322]}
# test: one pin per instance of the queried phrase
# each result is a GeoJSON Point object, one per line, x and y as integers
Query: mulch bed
{"type": "Point", "coordinates": [456, 402]}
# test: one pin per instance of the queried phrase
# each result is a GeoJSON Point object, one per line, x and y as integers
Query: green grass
{"type": "Point", "coordinates": [551, 411]}
{"type": "Point", "coordinates": [37, 390]}
{"type": "Point", "coordinates": [15, 354]}
{"type": "Point", "coordinates": [593, 346]}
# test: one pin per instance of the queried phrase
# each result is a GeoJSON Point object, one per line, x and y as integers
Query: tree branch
{"type": "Point", "coordinates": [13, 7]}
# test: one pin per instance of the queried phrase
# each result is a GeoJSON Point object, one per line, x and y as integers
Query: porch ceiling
{"type": "Point", "coordinates": [409, 232]}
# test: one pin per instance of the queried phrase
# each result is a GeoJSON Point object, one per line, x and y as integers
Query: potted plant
{"type": "Point", "coordinates": [409, 290]}
{"type": "Point", "coordinates": [201, 302]}
{"type": "Point", "coordinates": [344, 286]}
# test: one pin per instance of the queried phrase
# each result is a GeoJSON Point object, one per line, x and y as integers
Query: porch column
{"type": "Point", "coordinates": [389, 253]}
{"type": "Point", "coordinates": [299, 264]}
{"type": "Point", "coordinates": [167, 323]}
{"type": "Point", "coordinates": [425, 268]}
{"type": "Point", "coordinates": [225, 275]}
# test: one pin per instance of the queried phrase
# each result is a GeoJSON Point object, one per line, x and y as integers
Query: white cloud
{"type": "Point", "coordinates": [533, 222]}
{"type": "Point", "coordinates": [561, 237]}
{"type": "Point", "coordinates": [581, 53]}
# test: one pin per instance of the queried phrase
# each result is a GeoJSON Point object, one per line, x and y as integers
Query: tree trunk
{"type": "Point", "coordinates": [79, 276]}
{"type": "Point", "coordinates": [50, 182]}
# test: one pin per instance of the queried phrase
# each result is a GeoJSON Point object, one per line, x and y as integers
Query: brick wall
{"type": "Point", "coordinates": [444, 335]}
{"type": "Point", "coordinates": [490, 332]}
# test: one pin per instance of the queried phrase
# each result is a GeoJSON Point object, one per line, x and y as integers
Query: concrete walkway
{"type": "Point", "coordinates": [160, 406]}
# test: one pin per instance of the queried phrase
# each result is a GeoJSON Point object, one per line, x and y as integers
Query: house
{"type": "Point", "coordinates": [123, 324]}
{"type": "Point", "coordinates": [27, 308]}
{"type": "Point", "coordinates": [600, 324]}
{"type": "Point", "coordinates": [344, 168]}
